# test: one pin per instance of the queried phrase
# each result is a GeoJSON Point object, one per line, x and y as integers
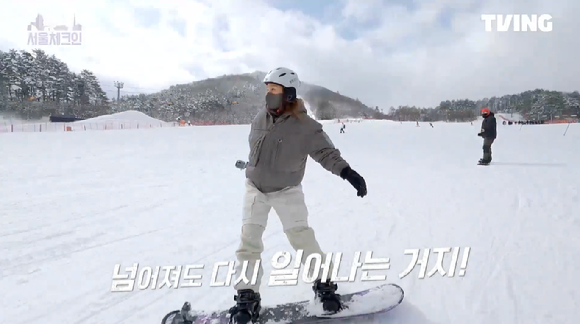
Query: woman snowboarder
{"type": "Point", "coordinates": [282, 136]}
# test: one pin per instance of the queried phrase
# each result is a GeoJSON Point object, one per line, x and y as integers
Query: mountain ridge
{"type": "Point", "coordinates": [236, 98]}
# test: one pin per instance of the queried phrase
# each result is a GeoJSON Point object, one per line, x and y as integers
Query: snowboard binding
{"type": "Point", "coordinates": [184, 316]}
{"type": "Point", "coordinates": [326, 294]}
{"type": "Point", "coordinates": [483, 162]}
{"type": "Point", "coordinates": [247, 308]}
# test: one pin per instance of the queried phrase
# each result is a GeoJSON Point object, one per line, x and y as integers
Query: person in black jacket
{"type": "Point", "coordinates": [489, 133]}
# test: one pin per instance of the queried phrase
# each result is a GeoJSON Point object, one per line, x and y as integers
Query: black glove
{"type": "Point", "coordinates": [355, 180]}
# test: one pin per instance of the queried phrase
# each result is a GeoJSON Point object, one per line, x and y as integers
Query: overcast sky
{"type": "Point", "coordinates": [385, 53]}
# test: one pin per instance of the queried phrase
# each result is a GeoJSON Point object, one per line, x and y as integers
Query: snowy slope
{"type": "Point", "coordinates": [308, 109]}
{"type": "Point", "coordinates": [509, 117]}
{"type": "Point", "coordinates": [75, 204]}
{"type": "Point", "coordinates": [124, 116]}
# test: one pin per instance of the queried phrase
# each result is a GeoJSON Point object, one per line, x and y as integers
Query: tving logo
{"type": "Point", "coordinates": [518, 23]}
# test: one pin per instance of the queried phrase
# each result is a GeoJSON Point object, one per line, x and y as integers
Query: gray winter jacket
{"type": "Point", "coordinates": [279, 150]}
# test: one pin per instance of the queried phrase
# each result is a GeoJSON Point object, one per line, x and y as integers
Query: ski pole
{"type": "Point", "coordinates": [566, 129]}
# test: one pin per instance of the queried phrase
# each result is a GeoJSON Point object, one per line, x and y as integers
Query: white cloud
{"type": "Point", "coordinates": [362, 11]}
{"type": "Point", "coordinates": [407, 56]}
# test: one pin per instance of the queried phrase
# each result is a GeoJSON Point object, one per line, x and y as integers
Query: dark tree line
{"type": "Point", "coordinates": [538, 104]}
{"type": "Point", "coordinates": [34, 84]}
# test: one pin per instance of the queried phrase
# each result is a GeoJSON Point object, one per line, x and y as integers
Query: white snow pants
{"type": "Point", "coordinates": [291, 209]}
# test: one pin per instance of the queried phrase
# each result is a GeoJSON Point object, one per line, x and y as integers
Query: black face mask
{"type": "Point", "coordinates": [274, 101]}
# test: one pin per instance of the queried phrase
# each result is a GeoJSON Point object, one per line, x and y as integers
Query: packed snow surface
{"type": "Point", "coordinates": [75, 204]}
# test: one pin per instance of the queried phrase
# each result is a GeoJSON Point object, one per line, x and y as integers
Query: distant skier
{"type": "Point", "coordinates": [342, 128]}
{"type": "Point", "coordinates": [282, 136]}
{"type": "Point", "coordinates": [431, 124]}
{"type": "Point", "coordinates": [489, 133]}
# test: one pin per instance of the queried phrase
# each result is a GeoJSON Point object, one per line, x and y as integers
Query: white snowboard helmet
{"type": "Point", "coordinates": [284, 77]}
